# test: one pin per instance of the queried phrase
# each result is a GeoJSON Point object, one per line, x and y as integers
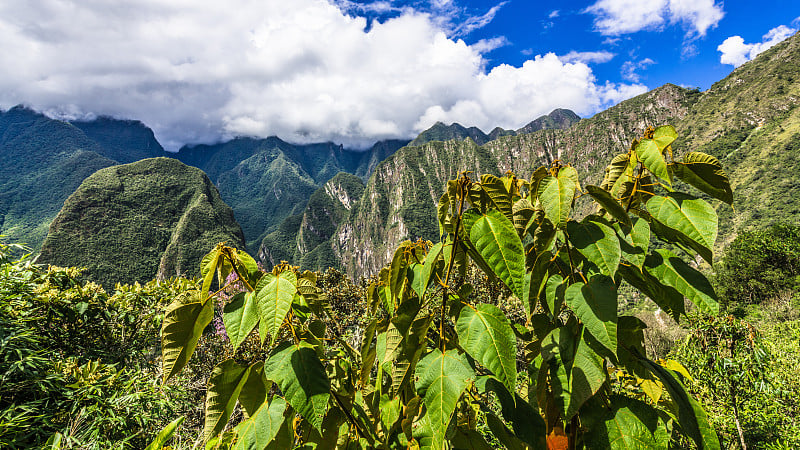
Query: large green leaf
{"type": "Point", "coordinates": [556, 195]}
{"type": "Point", "coordinates": [595, 304]}
{"type": "Point", "coordinates": [653, 159]}
{"type": "Point", "coordinates": [255, 389]}
{"type": "Point", "coordinates": [262, 427]}
{"type": "Point", "coordinates": [535, 282]}
{"type": "Point", "coordinates": [441, 379]}
{"type": "Point", "coordinates": [300, 375]}
{"type": "Point", "coordinates": [597, 242]}
{"type": "Point", "coordinates": [163, 436]}
{"type": "Point", "coordinates": [224, 385]}
{"type": "Point", "coordinates": [523, 215]}
{"type": "Point", "coordinates": [576, 371]}
{"type": "Point", "coordinates": [614, 170]}
{"type": "Point", "coordinates": [525, 419]}
{"type": "Point", "coordinates": [635, 241]}
{"type": "Point", "coordinates": [240, 316]}
{"type": "Point", "coordinates": [691, 216]}
{"type": "Point", "coordinates": [485, 333]}
{"type": "Point", "coordinates": [674, 272]}
{"type": "Point", "coordinates": [554, 294]}
{"type": "Point", "coordinates": [692, 419]}
{"type": "Point", "coordinates": [630, 424]}
{"type": "Point", "coordinates": [609, 203]}
{"type": "Point", "coordinates": [497, 242]}
{"type": "Point", "coordinates": [184, 321]}
{"type": "Point", "coordinates": [432, 259]}
{"type": "Point", "coordinates": [493, 192]}
{"type": "Point", "coordinates": [666, 297]}
{"type": "Point", "coordinates": [274, 295]}
{"type": "Point", "coordinates": [705, 173]}
{"type": "Point", "coordinates": [586, 378]}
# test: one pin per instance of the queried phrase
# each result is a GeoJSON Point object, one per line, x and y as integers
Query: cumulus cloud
{"type": "Point", "coordinates": [736, 52]}
{"type": "Point", "coordinates": [600, 57]}
{"type": "Point", "coordinates": [617, 17]}
{"type": "Point", "coordinates": [201, 71]}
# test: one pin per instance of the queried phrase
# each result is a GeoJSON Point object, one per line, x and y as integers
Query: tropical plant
{"type": "Point", "coordinates": [435, 367]}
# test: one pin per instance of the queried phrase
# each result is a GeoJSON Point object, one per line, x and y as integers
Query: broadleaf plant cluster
{"type": "Point", "coordinates": [434, 369]}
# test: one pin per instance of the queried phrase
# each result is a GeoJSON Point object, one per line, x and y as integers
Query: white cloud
{"type": "Point", "coordinates": [484, 46]}
{"type": "Point", "coordinates": [200, 71]}
{"type": "Point", "coordinates": [736, 52]}
{"type": "Point", "coordinates": [588, 57]}
{"type": "Point", "coordinates": [617, 17]}
{"type": "Point", "coordinates": [553, 14]}
{"type": "Point", "coordinates": [629, 69]}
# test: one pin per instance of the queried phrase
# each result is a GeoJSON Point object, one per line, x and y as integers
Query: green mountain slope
{"type": "Point", "coordinates": [132, 222]}
{"type": "Point", "coordinates": [305, 239]}
{"type": "Point", "coordinates": [124, 141]}
{"type": "Point", "coordinates": [266, 181]}
{"type": "Point", "coordinates": [42, 161]}
{"type": "Point", "coordinates": [750, 120]}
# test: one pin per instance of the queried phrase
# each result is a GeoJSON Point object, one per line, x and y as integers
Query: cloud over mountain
{"type": "Point", "coordinates": [735, 52]}
{"type": "Point", "coordinates": [200, 71]}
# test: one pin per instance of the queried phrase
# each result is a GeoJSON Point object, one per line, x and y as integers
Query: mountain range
{"type": "Point", "coordinates": [323, 205]}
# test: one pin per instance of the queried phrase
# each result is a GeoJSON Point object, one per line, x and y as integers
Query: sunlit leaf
{"type": "Point", "coordinates": [300, 375]}
{"type": "Point", "coordinates": [441, 379]}
{"type": "Point", "coordinates": [485, 333]}
{"type": "Point", "coordinates": [184, 321]}
{"type": "Point", "coordinates": [274, 296]}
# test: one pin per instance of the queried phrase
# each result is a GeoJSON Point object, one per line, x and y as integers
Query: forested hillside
{"type": "Point", "coordinates": [134, 222]}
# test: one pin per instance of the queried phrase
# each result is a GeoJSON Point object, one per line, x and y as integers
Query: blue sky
{"type": "Point", "coordinates": [357, 71]}
{"type": "Point", "coordinates": [670, 49]}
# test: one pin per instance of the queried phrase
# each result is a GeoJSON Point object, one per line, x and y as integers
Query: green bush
{"type": "Point", "coordinates": [77, 361]}
{"type": "Point", "coordinates": [759, 265]}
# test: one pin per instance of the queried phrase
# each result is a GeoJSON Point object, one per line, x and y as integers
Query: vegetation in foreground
{"type": "Point", "coordinates": [378, 371]}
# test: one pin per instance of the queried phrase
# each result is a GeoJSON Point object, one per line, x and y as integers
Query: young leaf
{"type": "Point", "coordinates": [240, 317]}
{"type": "Point", "coordinates": [691, 216]}
{"type": "Point", "coordinates": [664, 136]}
{"type": "Point", "coordinates": [274, 295]}
{"type": "Point", "coordinates": [224, 385]}
{"type": "Point", "coordinates": [673, 271]}
{"type": "Point", "coordinates": [208, 268]}
{"type": "Point", "coordinates": [300, 375]}
{"type": "Point", "coordinates": [595, 304]}
{"type": "Point", "coordinates": [597, 242]}
{"type": "Point", "coordinates": [163, 436]}
{"type": "Point", "coordinates": [262, 427]}
{"type": "Point", "coordinates": [497, 242]}
{"type": "Point", "coordinates": [486, 334]}
{"type": "Point", "coordinates": [556, 194]}
{"type": "Point", "coordinates": [184, 321]}
{"type": "Point", "coordinates": [705, 173]}
{"type": "Point", "coordinates": [441, 379]}
{"type": "Point", "coordinates": [653, 159]}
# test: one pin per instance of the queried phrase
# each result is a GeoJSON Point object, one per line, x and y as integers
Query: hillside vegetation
{"type": "Point", "coordinates": [132, 222]}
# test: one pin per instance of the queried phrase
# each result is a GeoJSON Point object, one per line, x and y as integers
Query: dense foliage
{"type": "Point", "coordinates": [759, 265]}
{"type": "Point", "coordinates": [77, 363]}
{"type": "Point", "coordinates": [434, 367]}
